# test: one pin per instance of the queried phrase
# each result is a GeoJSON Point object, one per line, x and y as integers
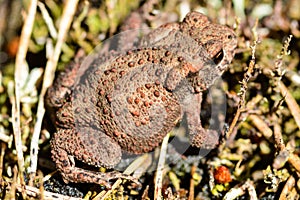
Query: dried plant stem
{"type": "Point", "coordinates": [294, 160]}
{"type": "Point", "coordinates": [66, 20]}
{"type": "Point", "coordinates": [291, 103]}
{"type": "Point", "coordinates": [243, 90]}
{"type": "Point", "coordinates": [286, 191]}
{"type": "Point", "coordinates": [241, 190]}
{"type": "Point", "coordinates": [2, 153]}
{"type": "Point", "coordinates": [261, 125]}
{"type": "Point", "coordinates": [20, 68]}
{"type": "Point", "coordinates": [129, 170]}
{"type": "Point", "coordinates": [160, 168]}
{"type": "Point", "coordinates": [278, 136]}
{"type": "Point", "coordinates": [192, 183]}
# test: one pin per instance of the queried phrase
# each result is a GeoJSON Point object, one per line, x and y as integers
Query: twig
{"type": "Point", "coordinates": [291, 103]}
{"type": "Point", "coordinates": [160, 167]}
{"type": "Point", "coordinates": [192, 183]}
{"type": "Point", "coordinates": [5, 138]}
{"type": "Point", "coordinates": [129, 170]}
{"type": "Point", "coordinates": [261, 125]}
{"type": "Point", "coordinates": [236, 192]}
{"type": "Point", "coordinates": [277, 134]}
{"type": "Point", "coordinates": [293, 106]}
{"type": "Point", "coordinates": [294, 160]}
{"type": "Point", "coordinates": [12, 191]}
{"type": "Point", "coordinates": [3, 148]}
{"type": "Point", "coordinates": [243, 90]}
{"type": "Point", "coordinates": [20, 67]}
{"type": "Point", "coordinates": [66, 20]}
{"type": "Point", "coordinates": [286, 191]}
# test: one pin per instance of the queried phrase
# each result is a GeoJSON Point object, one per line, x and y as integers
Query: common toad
{"type": "Point", "coordinates": [130, 101]}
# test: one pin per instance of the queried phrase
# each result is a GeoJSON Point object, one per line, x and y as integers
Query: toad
{"type": "Point", "coordinates": [129, 101]}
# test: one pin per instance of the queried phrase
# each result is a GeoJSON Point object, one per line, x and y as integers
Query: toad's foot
{"type": "Point", "coordinates": [71, 173]}
{"type": "Point", "coordinates": [81, 175]}
{"type": "Point", "coordinates": [205, 138]}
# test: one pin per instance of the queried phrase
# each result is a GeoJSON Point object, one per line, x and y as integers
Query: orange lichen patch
{"type": "Point", "coordinates": [222, 175]}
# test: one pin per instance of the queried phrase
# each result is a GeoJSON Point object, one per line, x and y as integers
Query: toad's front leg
{"type": "Point", "coordinates": [199, 137]}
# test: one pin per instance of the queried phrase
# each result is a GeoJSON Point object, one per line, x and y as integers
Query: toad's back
{"type": "Point", "coordinates": [126, 99]}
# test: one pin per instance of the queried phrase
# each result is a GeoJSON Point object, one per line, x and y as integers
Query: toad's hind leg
{"type": "Point", "coordinates": [67, 146]}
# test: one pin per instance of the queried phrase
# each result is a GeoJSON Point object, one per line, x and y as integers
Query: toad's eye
{"type": "Point", "coordinates": [229, 37]}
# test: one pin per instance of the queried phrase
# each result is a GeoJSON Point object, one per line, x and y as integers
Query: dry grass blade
{"type": "Point", "coordinates": [20, 67]}
{"type": "Point", "coordinates": [48, 20]}
{"type": "Point", "coordinates": [160, 168]}
{"type": "Point", "coordinates": [129, 170]}
{"type": "Point", "coordinates": [67, 17]}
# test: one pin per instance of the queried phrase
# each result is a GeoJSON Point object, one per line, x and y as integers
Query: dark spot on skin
{"type": "Point", "coordinates": [131, 64]}
{"type": "Point", "coordinates": [180, 59]}
{"type": "Point", "coordinates": [105, 82]}
{"type": "Point", "coordinates": [113, 78]}
{"type": "Point", "coordinates": [141, 61]}
{"type": "Point", "coordinates": [105, 111]}
{"type": "Point", "coordinates": [113, 70]}
{"type": "Point", "coordinates": [137, 101]}
{"type": "Point", "coordinates": [148, 86]}
{"type": "Point", "coordinates": [137, 124]}
{"type": "Point", "coordinates": [122, 73]}
{"type": "Point", "coordinates": [129, 100]}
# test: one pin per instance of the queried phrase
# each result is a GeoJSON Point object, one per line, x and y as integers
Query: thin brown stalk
{"type": "Point", "coordinates": [129, 170]}
{"type": "Point", "coordinates": [294, 160]}
{"type": "Point", "coordinates": [289, 185]}
{"type": "Point", "coordinates": [261, 125]}
{"type": "Point", "coordinates": [3, 148]}
{"type": "Point", "coordinates": [192, 183]}
{"type": "Point", "coordinates": [243, 91]}
{"type": "Point", "coordinates": [291, 103]}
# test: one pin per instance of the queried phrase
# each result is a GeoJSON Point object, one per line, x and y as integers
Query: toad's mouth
{"type": "Point", "coordinates": [218, 57]}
